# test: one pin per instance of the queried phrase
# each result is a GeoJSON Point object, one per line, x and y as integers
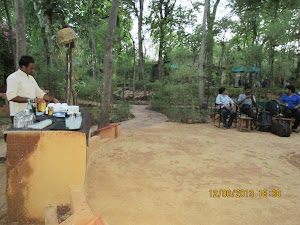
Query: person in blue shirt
{"type": "Point", "coordinates": [226, 105]}
{"type": "Point", "coordinates": [291, 103]}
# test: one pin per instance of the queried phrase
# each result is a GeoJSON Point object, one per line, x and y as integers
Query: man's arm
{"type": "Point", "coordinates": [50, 99]}
{"type": "Point", "coordinates": [282, 101]}
{"type": "Point", "coordinates": [240, 100]}
{"type": "Point", "coordinates": [41, 94]}
{"type": "Point", "coordinates": [218, 101]}
{"type": "Point", "coordinates": [253, 100]}
{"type": "Point", "coordinates": [19, 99]}
{"type": "Point", "coordinates": [298, 106]}
{"type": "Point", "coordinates": [231, 102]}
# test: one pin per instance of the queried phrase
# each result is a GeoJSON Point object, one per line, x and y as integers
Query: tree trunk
{"type": "Point", "coordinates": [272, 57]}
{"type": "Point", "coordinates": [20, 30]}
{"type": "Point", "coordinates": [94, 56]}
{"type": "Point", "coordinates": [297, 71]}
{"type": "Point", "coordinates": [68, 73]}
{"type": "Point", "coordinates": [161, 40]}
{"type": "Point", "coordinates": [220, 66]}
{"type": "Point", "coordinates": [250, 79]}
{"type": "Point", "coordinates": [43, 22]}
{"type": "Point", "coordinates": [160, 61]}
{"type": "Point", "coordinates": [108, 65]}
{"type": "Point", "coordinates": [124, 84]}
{"type": "Point", "coordinates": [10, 32]}
{"type": "Point", "coordinates": [134, 71]}
{"type": "Point", "coordinates": [141, 54]}
{"type": "Point", "coordinates": [273, 45]}
{"type": "Point", "coordinates": [201, 59]}
{"type": "Point", "coordinates": [210, 37]}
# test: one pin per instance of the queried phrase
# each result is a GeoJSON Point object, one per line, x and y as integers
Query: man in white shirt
{"type": "Point", "coordinates": [21, 86]}
{"type": "Point", "coordinates": [226, 105]}
{"type": "Point", "coordinates": [246, 102]}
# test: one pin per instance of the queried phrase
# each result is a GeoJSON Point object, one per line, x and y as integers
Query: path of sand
{"type": "Point", "coordinates": [162, 175]}
{"type": "Point", "coordinates": [143, 118]}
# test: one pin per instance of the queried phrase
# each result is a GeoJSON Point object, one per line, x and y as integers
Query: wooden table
{"type": "Point", "coordinates": [244, 122]}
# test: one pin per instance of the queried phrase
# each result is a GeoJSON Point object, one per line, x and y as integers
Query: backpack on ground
{"type": "Point", "coordinates": [281, 129]}
{"type": "Point", "coordinates": [273, 107]}
{"type": "Point", "coordinates": [264, 121]}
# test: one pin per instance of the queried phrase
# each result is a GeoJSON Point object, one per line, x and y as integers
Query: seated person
{"type": "Point", "coordinates": [246, 102]}
{"type": "Point", "coordinates": [226, 105]}
{"type": "Point", "coordinates": [291, 103]}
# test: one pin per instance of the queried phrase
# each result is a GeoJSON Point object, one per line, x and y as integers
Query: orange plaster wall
{"type": "Point", "coordinates": [57, 161]}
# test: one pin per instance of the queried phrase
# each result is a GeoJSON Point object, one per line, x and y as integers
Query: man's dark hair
{"type": "Point", "coordinates": [25, 60]}
{"type": "Point", "coordinates": [221, 90]}
{"type": "Point", "coordinates": [291, 88]}
{"type": "Point", "coordinates": [247, 87]}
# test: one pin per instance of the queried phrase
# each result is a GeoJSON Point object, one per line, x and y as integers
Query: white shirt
{"type": "Point", "coordinates": [247, 101]}
{"type": "Point", "coordinates": [19, 84]}
{"type": "Point", "coordinates": [224, 100]}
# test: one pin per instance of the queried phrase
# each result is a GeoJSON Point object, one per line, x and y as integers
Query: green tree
{"type": "Point", "coordinates": [161, 20]}
{"type": "Point", "coordinates": [20, 30]}
{"type": "Point", "coordinates": [201, 58]}
{"type": "Point", "coordinates": [108, 65]}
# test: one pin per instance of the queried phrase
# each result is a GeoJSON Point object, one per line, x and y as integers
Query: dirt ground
{"type": "Point", "coordinates": [163, 175]}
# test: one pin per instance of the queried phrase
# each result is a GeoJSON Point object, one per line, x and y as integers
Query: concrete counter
{"type": "Point", "coordinates": [41, 165]}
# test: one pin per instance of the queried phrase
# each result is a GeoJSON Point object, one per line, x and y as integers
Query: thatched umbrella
{"type": "Point", "coordinates": [67, 36]}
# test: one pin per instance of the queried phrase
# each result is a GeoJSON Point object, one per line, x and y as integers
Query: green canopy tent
{"type": "Point", "coordinates": [244, 75]}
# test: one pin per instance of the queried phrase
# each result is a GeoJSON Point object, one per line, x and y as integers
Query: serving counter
{"type": "Point", "coordinates": [41, 166]}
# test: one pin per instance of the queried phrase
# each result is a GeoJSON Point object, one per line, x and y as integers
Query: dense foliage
{"type": "Point", "coordinates": [260, 34]}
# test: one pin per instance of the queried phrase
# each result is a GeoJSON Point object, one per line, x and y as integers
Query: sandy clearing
{"type": "Point", "coordinates": [162, 175]}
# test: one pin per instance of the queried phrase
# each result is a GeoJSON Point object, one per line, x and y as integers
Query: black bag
{"type": "Point", "coordinates": [273, 107]}
{"type": "Point", "coordinates": [264, 121]}
{"type": "Point", "coordinates": [281, 129]}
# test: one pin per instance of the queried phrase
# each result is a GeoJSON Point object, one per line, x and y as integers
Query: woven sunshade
{"type": "Point", "coordinates": [66, 36]}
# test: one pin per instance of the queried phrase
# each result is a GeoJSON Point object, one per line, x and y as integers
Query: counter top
{"type": "Point", "coordinates": [85, 128]}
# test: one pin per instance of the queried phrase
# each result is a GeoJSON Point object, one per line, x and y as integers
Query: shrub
{"type": "Point", "coordinates": [89, 89]}
{"type": "Point", "coordinates": [120, 111]}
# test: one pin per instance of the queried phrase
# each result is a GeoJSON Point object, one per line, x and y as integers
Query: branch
{"type": "Point", "coordinates": [173, 6]}
{"type": "Point", "coordinates": [105, 17]}
{"type": "Point", "coordinates": [132, 4]}
{"type": "Point", "coordinates": [215, 9]}
{"type": "Point", "coordinates": [194, 6]}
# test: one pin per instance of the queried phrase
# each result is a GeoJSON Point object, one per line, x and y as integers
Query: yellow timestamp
{"type": "Point", "coordinates": [269, 193]}
{"type": "Point", "coordinates": [236, 193]}
{"type": "Point", "coordinates": [243, 193]}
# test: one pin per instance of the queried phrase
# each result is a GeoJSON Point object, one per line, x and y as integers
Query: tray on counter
{"type": "Point", "coordinates": [60, 124]}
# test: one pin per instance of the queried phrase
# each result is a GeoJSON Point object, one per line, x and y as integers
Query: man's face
{"type": "Point", "coordinates": [287, 91]}
{"type": "Point", "coordinates": [29, 69]}
{"type": "Point", "coordinates": [248, 91]}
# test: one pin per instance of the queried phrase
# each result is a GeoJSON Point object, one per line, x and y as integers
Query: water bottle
{"type": "Point", "coordinates": [29, 106]}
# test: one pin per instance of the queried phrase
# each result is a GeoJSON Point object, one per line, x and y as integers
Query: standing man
{"type": "Point", "coordinates": [21, 86]}
{"type": "Point", "coordinates": [246, 102]}
{"type": "Point", "coordinates": [226, 105]}
{"type": "Point", "coordinates": [291, 103]}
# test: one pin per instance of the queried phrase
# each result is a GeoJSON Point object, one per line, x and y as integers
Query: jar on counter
{"type": "Point", "coordinates": [50, 110]}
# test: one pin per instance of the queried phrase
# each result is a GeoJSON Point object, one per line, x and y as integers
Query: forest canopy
{"type": "Point", "coordinates": [156, 46]}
